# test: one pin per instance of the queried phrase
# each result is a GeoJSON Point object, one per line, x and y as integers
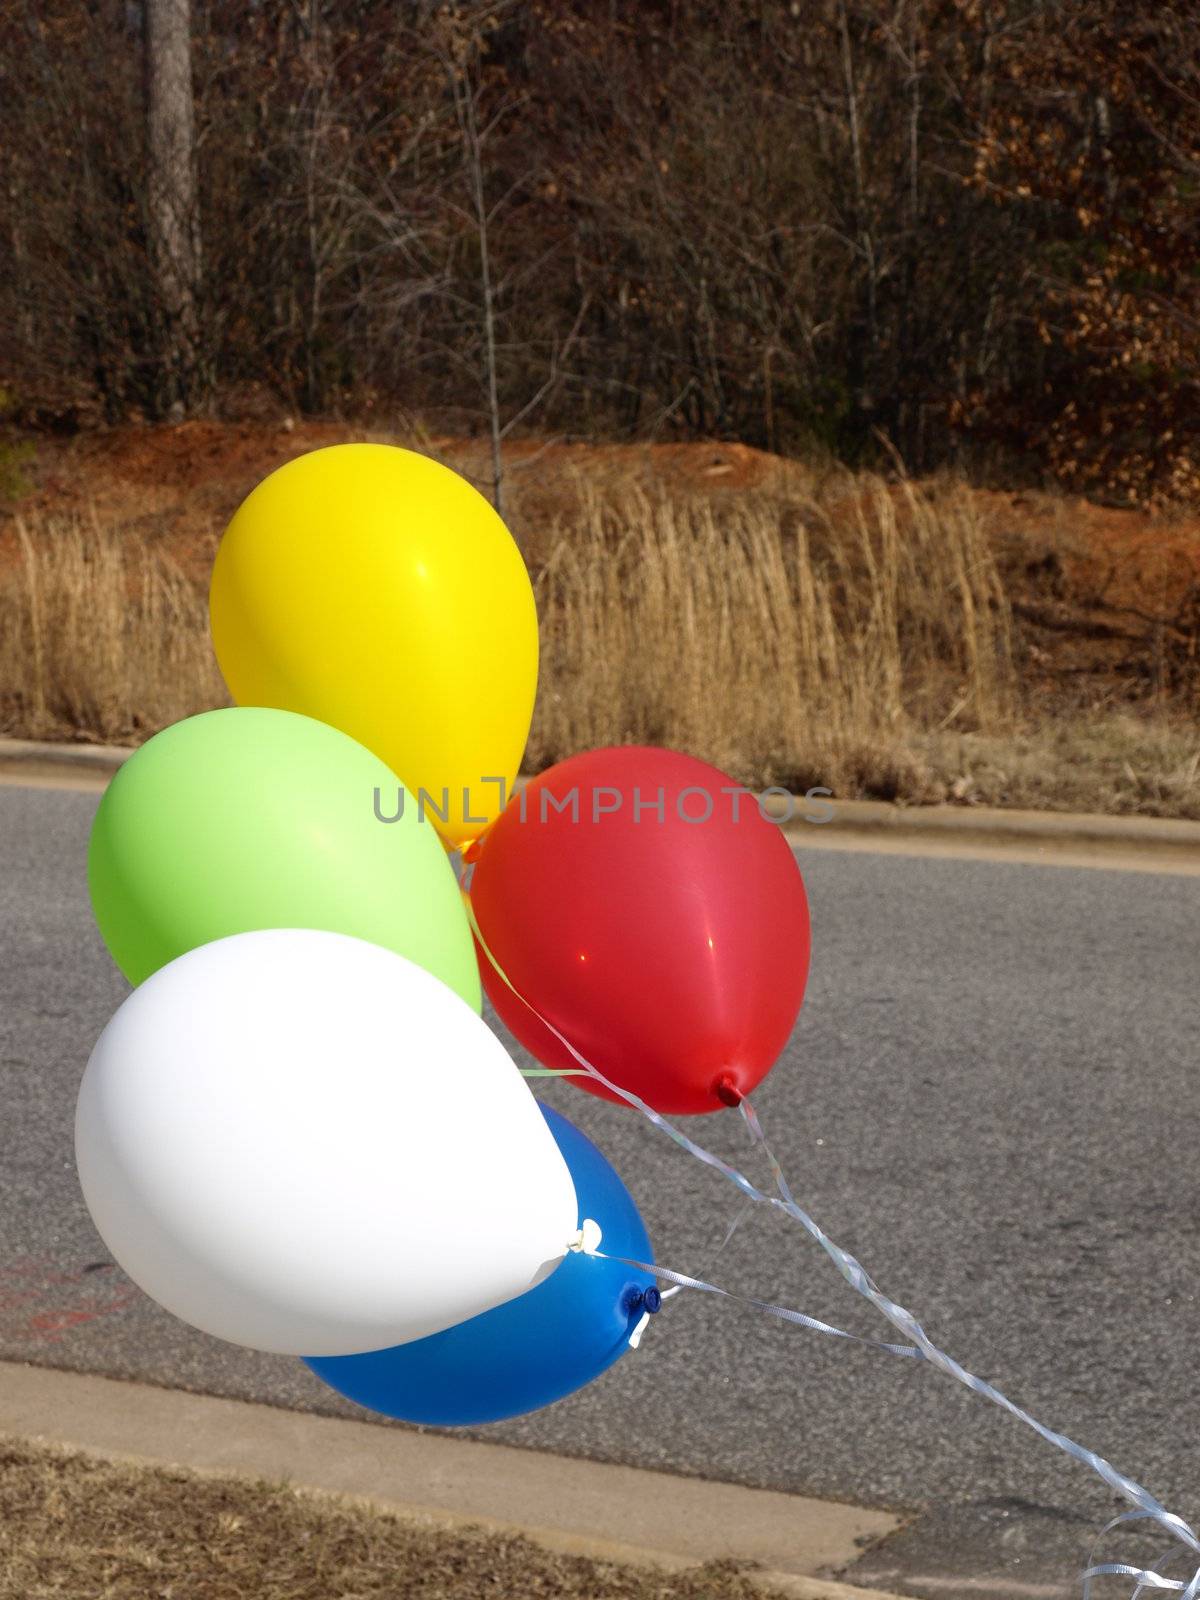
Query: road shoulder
{"type": "Point", "coordinates": [980, 833]}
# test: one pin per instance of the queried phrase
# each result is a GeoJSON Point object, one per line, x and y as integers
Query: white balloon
{"type": "Point", "coordinates": [304, 1143]}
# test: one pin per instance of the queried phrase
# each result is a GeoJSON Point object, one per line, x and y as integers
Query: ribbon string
{"type": "Point", "coordinates": [1147, 1508]}
{"type": "Point", "coordinates": [854, 1273]}
{"type": "Point", "coordinates": [1147, 1578]}
{"type": "Point", "coordinates": [682, 1281]}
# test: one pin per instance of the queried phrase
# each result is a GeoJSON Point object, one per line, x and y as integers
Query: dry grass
{"type": "Point", "coordinates": [78, 1529]}
{"type": "Point", "coordinates": [798, 640]}
{"type": "Point", "coordinates": [101, 636]}
{"type": "Point", "coordinates": [1112, 762]}
{"type": "Point", "coordinates": [846, 633]}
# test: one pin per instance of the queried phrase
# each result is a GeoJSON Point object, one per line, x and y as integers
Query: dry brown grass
{"type": "Point", "coordinates": [79, 1529]}
{"type": "Point", "coordinates": [1112, 762]}
{"type": "Point", "coordinates": [796, 640]}
{"type": "Point", "coordinates": [101, 635]}
{"type": "Point", "coordinates": [848, 633]}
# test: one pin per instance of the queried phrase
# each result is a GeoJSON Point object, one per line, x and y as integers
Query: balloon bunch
{"type": "Point", "coordinates": [297, 1133]}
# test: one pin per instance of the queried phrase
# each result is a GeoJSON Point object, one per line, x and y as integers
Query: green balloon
{"type": "Point", "coordinates": [251, 818]}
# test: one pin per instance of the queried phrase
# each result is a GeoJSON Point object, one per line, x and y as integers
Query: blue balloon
{"type": "Point", "coordinates": [530, 1351]}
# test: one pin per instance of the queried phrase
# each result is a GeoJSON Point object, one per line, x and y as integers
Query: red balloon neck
{"type": "Point", "coordinates": [727, 1091]}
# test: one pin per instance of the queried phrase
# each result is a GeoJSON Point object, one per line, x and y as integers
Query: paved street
{"type": "Point", "coordinates": [991, 1098]}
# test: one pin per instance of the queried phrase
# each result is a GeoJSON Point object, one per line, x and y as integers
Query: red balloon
{"type": "Point", "coordinates": [639, 901]}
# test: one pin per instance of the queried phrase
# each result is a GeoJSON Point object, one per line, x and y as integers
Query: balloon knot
{"type": "Point", "coordinates": [727, 1091]}
{"type": "Point", "coordinates": [587, 1240]}
{"type": "Point", "coordinates": [646, 1301]}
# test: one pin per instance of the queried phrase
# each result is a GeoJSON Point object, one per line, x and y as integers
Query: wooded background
{"type": "Point", "coordinates": [958, 230]}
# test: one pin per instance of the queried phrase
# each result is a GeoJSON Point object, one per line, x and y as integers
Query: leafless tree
{"type": "Point", "coordinates": [461, 46]}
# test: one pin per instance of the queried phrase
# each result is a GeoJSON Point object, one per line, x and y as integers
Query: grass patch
{"type": "Point", "coordinates": [1113, 762]}
{"type": "Point", "coordinates": [102, 636]}
{"type": "Point", "coordinates": [791, 640]}
{"type": "Point", "coordinates": [80, 1529]}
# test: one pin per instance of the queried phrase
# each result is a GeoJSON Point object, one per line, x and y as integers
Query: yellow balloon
{"type": "Point", "coordinates": [376, 590]}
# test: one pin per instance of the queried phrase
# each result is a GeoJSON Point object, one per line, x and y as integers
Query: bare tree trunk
{"type": "Point", "coordinates": [914, 122]}
{"type": "Point", "coordinates": [1104, 132]}
{"type": "Point", "coordinates": [866, 238]}
{"type": "Point", "coordinates": [910, 328]}
{"type": "Point", "coordinates": [174, 223]}
{"type": "Point", "coordinates": [474, 153]}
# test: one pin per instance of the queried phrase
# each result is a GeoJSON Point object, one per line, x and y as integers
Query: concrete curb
{"type": "Point", "coordinates": [620, 1514]}
{"type": "Point", "coordinates": [1029, 827]}
{"type": "Point", "coordinates": [67, 757]}
{"type": "Point", "coordinates": [1160, 840]}
{"type": "Point", "coordinates": [71, 766]}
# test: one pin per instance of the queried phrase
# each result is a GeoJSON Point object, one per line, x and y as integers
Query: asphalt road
{"type": "Point", "coordinates": [991, 1098]}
